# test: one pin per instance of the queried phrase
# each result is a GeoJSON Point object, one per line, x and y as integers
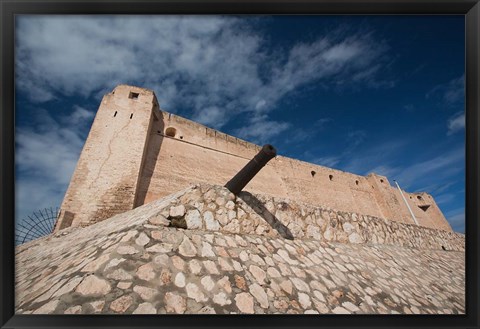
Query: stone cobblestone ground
{"type": "Point", "coordinates": [144, 262]}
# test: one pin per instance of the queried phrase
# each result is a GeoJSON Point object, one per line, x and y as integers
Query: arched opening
{"type": "Point", "coordinates": [330, 176]}
{"type": "Point", "coordinates": [171, 132]}
{"type": "Point", "coordinates": [381, 180]}
{"type": "Point", "coordinates": [313, 172]}
{"type": "Point", "coordinates": [356, 182]}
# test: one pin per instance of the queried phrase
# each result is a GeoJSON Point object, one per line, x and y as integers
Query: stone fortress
{"type": "Point", "coordinates": [146, 227]}
{"type": "Point", "coordinates": [136, 153]}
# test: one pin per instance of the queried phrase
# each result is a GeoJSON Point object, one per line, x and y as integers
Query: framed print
{"type": "Point", "coordinates": [230, 164]}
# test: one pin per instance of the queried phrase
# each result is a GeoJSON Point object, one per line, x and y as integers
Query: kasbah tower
{"type": "Point", "coordinates": [136, 153]}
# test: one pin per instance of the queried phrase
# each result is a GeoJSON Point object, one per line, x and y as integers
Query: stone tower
{"type": "Point", "coordinates": [105, 180]}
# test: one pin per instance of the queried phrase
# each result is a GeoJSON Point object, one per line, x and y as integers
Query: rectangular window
{"type": "Point", "coordinates": [133, 95]}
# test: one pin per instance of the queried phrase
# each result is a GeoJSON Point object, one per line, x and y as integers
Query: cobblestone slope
{"type": "Point", "coordinates": [179, 255]}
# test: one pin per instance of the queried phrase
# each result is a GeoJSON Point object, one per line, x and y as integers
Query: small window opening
{"type": "Point", "coordinates": [131, 115]}
{"type": "Point", "coordinates": [313, 172]}
{"type": "Point", "coordinates": [330, 176]}
{"type": "Point", "coordinates": [133, 95]}
{"type": "Point", "coordinates": [381, 180]}
{"type": "Point", "coordinates": [425, 207]}
{"type": "Point", "coordinates": [419, 197]}
{"type": "Point", "coordinates": [171, 132]}
{"type": "Point", "coordinates": [115, 114]}
{"type": "Point", "coordinates": [181, 137]}
{"type": "Point", "coordinates": [356, 182]}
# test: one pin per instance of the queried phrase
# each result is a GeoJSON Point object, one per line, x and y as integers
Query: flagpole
{"type": "Point", "coordinates": [408, 206]}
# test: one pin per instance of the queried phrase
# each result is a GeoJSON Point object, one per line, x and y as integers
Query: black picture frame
{"type": "Point", "coordinates": [10, 8]}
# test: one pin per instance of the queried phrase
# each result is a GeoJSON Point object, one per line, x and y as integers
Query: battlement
{"type": "Point", "coordinates": [136, 153]}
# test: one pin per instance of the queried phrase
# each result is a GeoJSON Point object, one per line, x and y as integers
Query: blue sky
{"type": "Point", "coordinates": [362, 94]}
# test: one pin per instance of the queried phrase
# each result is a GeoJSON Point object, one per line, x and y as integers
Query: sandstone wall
{"type": "Point", "coordinates": [195, 153]}
{"type": "Point", "coordinates": [105, 180]}
{"type": "Point", "coordinates": [129, 161]}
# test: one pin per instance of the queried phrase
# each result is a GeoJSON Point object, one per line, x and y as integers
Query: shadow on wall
{"type": "Point", "coordinates": [153, 149]}
{"type": "Point", "coordinates": [264, 213]}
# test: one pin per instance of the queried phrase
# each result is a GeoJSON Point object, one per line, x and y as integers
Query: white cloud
{"type": "Point", "coordinates": [298, 135]}
{"type": "Point", "coordinates": [380, 158]}
{"type": "Point", "coordinates": [438, 187]}
{"type": "Point", "coordinates": [32, 195]}
{"type": "Point", "coordinates": [327, 161]}
{"type": "Point", "coordinates": [384, 170]}
{"type": "Point", "coordinates": [80, 55]}
{"type": "Point", "coordinates": [45, 157]}
{"type": "Point", "coordinates": [322, 122]}
{"type": "Point", "coordinates": [452, 92]}
{"type": "Point", "coordinates": [261, 129]}
{"type": "Point", "coordinates": [444, 198]}
{"type": "Point", "coordinates": [354, 139]}
{"type": "Point", "coordinates": [211, 116]}
{"type": "Point", "coordinates": [442, 166]}
{"type": "Point", "coordinates": [456, 218]}
{"type": "Point", "coordinates": [456, 123]}
{"type": "Point", "coordinates": [216, 67]}
{"type": "Point", "coordinates": [375, 157]}
{"type": "Point", "coordinates": [80, 115]}
{"type": "Point", "coordinates": [261, 103]}
{"type": "Point", "coordinates": [455, 90]}
{"type": "Point", "coordinates": [49, 152]}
